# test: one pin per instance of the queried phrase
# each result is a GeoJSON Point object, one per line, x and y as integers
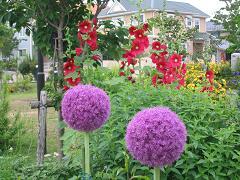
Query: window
{"type": "Point", "coordinates": [22, 52]}
{"type": "Point", "coordinates": [134, 20]}
{"type": "Point", "coordinates": [197, 23]}
{"type": "Point", "coordinates": [189, 22]}
{"type": "Point", "coordinates": [117, 20]}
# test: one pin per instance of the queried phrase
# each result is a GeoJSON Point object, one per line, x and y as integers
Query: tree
{"type": "Point", "coordinates": [7, 40]}
{"type": "Point", "coordinates": [48, 20]}
{"type": "Point", "coordinates": [229, 17]}
{"type": "Point", "coordinates": [172, 31]}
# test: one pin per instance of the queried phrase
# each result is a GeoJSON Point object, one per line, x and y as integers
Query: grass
{"type": "Point", "coordinates": [26, 143]}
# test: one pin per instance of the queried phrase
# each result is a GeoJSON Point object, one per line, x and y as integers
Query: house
{"type": "Point", "coordinates": [193, 17]}
{"type": "Point", "coordinates": [217, 31]}
{"type": "Point", "coordinates": [25, 46]}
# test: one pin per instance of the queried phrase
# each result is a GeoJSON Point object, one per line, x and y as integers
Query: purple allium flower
{"type": "Point", "coordinates": [156, 137]}
{"type": "Point", "coordinates": [85, 107]}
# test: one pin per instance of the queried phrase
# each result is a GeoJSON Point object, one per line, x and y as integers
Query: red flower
{"type": "Point", "coordinates": [169, 77]}
{"type": "Point", "coordinates": [184, 69]}
{"type": "Point", "coordinates": [69, 68]}
{"type": "Point", "coordinates": [129, 78]}
{"type": "Point", "coordinates": [70, 60]}
{"type": "Point", "coordinates": [155, 58]}
{"type": "Point", "coordinates": [132, 71]}
{"type": "Point", "coordinates": [163, 47]}
{"type": "Point", "coordinates": [145, 26]}
{"type": "Point", "coordinates": [163, 53]}
{"type": "Point", "coordinates": [131, 61]}
{"type": "Point", "coordinates": [85, 26]}
{"type": "Point", "coordinates": [175, 60]}
{"type": "Point", "coordinates": [156, 45]}
{"type": "Point", "coordinates": [208, 89]}
{"type": "Point", "coordinates": [79, 51]}
{"type": "Point", "coordinates": [96, 57]}
{"type": "Point", "coordinates": [93, 46]}
{"type": "Point", "coordinates": [121, 74]}
{"type": "Point", "coordinates": [137, 47]}
{"type": "Point", "coordinates": [161, 67]}
{"type": "Point", "coordinates": [182, 82]}
{"type": "Point", "coordinates": [145, 41]}
{"type": "Point", "coordinates": [131, 30]}
{"type": "Point", "coordinates": [95, 21]}
{"type": "Point", "coordinates": [65, 88]}
{"type": "Point", "coordinates": [122, 65]}
{"type": "Point", "coordinates": [92, 36]}
{"type": "Point", "coordinates": [73, 82]}
{"type": "Point", "coordinates": [154, 80]}
{"type": "Point", "coordinates": [210, 76]}
{"type": "Point", "coordinates": [139, 34]}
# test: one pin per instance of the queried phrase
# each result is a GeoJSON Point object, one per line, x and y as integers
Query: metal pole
{"type": "Point", "coordinates": [40, 85]}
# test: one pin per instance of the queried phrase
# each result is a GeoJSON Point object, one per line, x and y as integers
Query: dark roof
{"type": "Point", "coordinates": [211, 26]}
{"type": "Point", "coordinates": [171, 6]}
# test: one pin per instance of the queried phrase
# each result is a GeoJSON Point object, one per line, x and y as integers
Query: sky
{"type": "Point", "coordinates": [207, 6]}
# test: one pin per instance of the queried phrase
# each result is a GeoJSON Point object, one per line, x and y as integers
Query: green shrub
{"type": "Point", "coordinates": [212, 150]}
{"type": "Point", "coordinates": [21, 85]}
{"type": "Point", "coordinates": [27, 66]}
{"type": "Point", "coordinates": [52, 169]}
{"type": "Point", "coordinates": [9, 127]}
{"type": "Point", "coordinates": [10, 65]}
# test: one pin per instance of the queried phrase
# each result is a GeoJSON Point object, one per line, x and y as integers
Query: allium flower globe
{"type": "Point", "coordinates": [85, 108]}
{"type": "Point", "coordinates": [156, 137]}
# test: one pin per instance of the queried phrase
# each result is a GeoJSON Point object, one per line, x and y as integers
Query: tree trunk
{"type": "Point", "coordinates": [60, 87]}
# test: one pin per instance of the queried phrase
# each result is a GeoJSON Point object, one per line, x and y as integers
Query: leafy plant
{"type": "Point", "coordinates": [9, 127]}
{"type": "Point", "coordinates": [212, 150]}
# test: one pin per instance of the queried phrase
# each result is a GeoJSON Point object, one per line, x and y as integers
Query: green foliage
{"type": "Point", "coordinates": [111, 39]}
{"type": "Point", "coordinates": [27, 66]}
{"type": "Point", "coordinates": [21, 85]}
{"type": "Point", "coordinates": [9, 127]}
{"type": "Point", "coordinates": [7, 40]}
{"type": "Point", "coordinates": [10, 65]}
{"type": "Point", "coordinates": [229, 17]}
{"type": "Point", "coordinates": [52, 169]}
{"type": "Point", "coordinates": [212, 150]}
{"type": "Point", "coordinates": [172, 31]}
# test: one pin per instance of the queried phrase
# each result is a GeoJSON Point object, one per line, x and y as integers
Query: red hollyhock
{"type": "Point", "coordinates": [92, 36]}
{"type": "Point", "coordinates": [131, 61]}
{"type": "Point", "coordinates": [154, 80]}
{"type": "Point", "coordinates": [163, 53]}
{"type": "Point", "coordinates": [145, 26]}
{"type": "Point", "coordinates": [137, 47]}
{"type": "Point", "coordinates": [156, 45]}
{"type": "Point", "coordinates": [163, 47]}
{"type": "Point", "coordinates": [85, 26]}
{"type": "Point", "coordinates": [131, 30]}
{"type": "Point", "coordinates": [96, 57]}
{"type": "Point", "coordinates": [184, 69]}
{"type": "Point", "coordinates": [145, 42]}
{"type": "Point", "coordinates": [175, 60]}
{"type": "Point", "coordinates": [122, 65]}
{"type": "Point", "coordinates": [93, 46]}
{"type": "Point", "coordinates": [129, 78]}
{"type": "Point", "coordinates": [132, 71]}
{"type": "Point", "coordinates": [79, 51]}
{"type": "Point", "coordinates": [70, 60]}
{"type": "Point", "coordinates": [73, 82]}
{"type": "Point", "coordinates": [169, 77]}
{"type": "Point", "coordinates": [121, 74]}
{"type": "Point", "coordinates": [95, 21]}
{"type": "Point", "coordinates": [139, 34]}
{"type": "Point", "coordinates": [155, 58]}
{"type": "Point", "coordinates": [65, 88]}
{"type": "Point", "coordinates": [210, 76]}
{"type": "Point", "coordinates": [69, 68]}
{"type": "Point", "coordinates": [161, 67]}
